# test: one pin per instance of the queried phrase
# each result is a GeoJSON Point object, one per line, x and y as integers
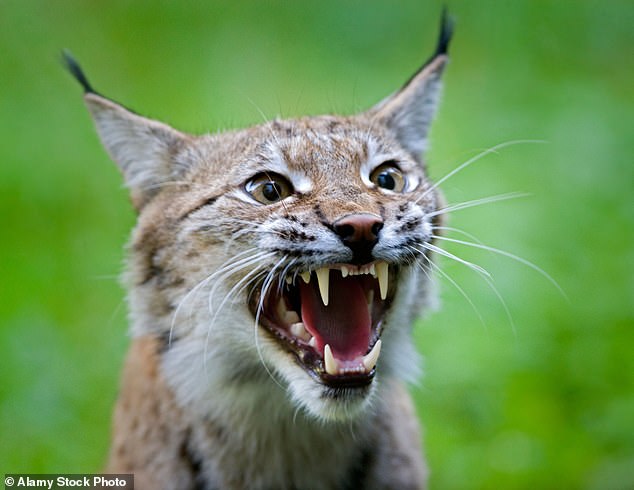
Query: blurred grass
{"type": "Point", "coordinates": [542, 400]}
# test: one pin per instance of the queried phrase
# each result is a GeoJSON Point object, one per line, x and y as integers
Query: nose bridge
{"type": "Point", "coordinates": [348, 200]}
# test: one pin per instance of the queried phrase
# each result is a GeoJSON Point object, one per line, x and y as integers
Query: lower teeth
{"type": "Point", "coordinates": [299, 330]}
{"type": "Point", "coordinates": [365, 364]}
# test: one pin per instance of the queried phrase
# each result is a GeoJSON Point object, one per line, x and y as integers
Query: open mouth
{"type": "Point", "coordinates": [330, 319]}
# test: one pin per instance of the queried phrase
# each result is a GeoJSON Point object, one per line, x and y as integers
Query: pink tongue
{"type": "Point", "coordinates": [345, 323]}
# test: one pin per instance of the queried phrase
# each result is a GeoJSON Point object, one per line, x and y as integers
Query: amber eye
{"type": "Point", "coordinates": [268, 188]}
{"type": "Point", "coordinates": [389, 177]}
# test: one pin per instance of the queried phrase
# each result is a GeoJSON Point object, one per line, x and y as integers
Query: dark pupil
{"type": "Point", "coordinates": [271, 191]}
{"type": "Point", "coordinates": [386, 181]}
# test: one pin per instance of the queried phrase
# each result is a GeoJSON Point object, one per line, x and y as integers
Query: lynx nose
{"type": "Point", "coordinates": [359, 232]}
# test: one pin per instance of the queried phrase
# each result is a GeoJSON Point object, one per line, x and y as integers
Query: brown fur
{"type": "Point", "coordinates": [212, 395]}
{"type": "Point", "coordinates": [157, 440]}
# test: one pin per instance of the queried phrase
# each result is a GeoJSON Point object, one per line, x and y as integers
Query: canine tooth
{"type": "Point", "coordinates": [382, 275]}
{"type": "Point", "coordinates": [298, 330]}
{"type": "Point", "coordinates": [291, 317]}
{"type": "Point", "coordinates": [305, 276]}
{"type": "Point", "coordinates": [323, 280]}
{"type": "Point", "coordinates": [332, 366]}
{"type": "Point", "coordinates": [369, 361]}
{"type": "Point", "coordinates": [344, 271]}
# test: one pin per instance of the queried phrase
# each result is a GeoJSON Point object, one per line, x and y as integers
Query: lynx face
{"type": "Point", "coordinates": [296, 251]}
{"type": "Point", "coordinates": [319, 236]}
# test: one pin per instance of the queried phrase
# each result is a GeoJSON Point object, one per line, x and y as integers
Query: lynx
{"type": "Point", "coordinates": [274, 274]}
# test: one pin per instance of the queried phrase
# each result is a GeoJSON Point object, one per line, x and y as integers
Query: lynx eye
{"type": "Point", "coordinates": [389, 177]}
{"type": "Point", "coordinates": [268, 188]}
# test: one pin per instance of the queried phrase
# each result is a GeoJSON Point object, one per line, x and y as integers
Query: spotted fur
{"type": "Point", "coordinates": [209, 399]}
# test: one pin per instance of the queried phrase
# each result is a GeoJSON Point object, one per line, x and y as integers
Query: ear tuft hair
{"type": "Point", "coordinates": [143, 149]}
{"type": "Point", "coordinates": [75, 70]}
{"type": "Point", "coordinates": [446, 32]}
{"type": "Point", "coordinates": [408, 112]}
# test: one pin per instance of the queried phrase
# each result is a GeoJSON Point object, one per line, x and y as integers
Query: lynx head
{"type": "Point", "coordinates": [295, 251]}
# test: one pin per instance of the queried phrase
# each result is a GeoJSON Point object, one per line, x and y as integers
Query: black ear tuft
{"type": "Point", "coordinates": [446, 31]}
{"type": "Point", "coordinates": [75, 70]}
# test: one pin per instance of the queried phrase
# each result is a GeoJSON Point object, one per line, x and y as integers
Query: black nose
{"type": "Point", "coordinates": [359, 232]}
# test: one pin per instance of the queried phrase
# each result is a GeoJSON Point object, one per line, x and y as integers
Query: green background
{"type": "Point", "coordinates": [542, 400]}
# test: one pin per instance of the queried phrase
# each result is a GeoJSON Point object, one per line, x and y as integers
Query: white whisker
{"type": "Point", "coordinates": [235, 267]}
{"type": "Point", "coordinates": [267, 121]}
{"type": "Point", "coordinates": [244, 282]}
{"type": "Point", "coordinates": [182, 302]}
{"type": "Point", "coordinates": [250, 227]}
{"type": "Point", "coordinates": [449, 255]}
{"type": "Point", "coordinates": [474, 159]}
{"type": "Point", "coordinates": [256, 330]}
{"type": "Point", "coordinates": [477, 202]}
{"type": "Point", "coordinates": [230, 267]}
{"type": "Point", "coordinates": [506, 308]}
{"type": "Point", "coordinates": [159, 185]}
{"type": "Point", "coordinates": [505, 254]}
{"type": "Point", "coordinates": [457, 230]}
{"type": "Point", "coordinates": [437, 268]}
{"type": "Point", "coordinates": [282, 276]}
{"type": "Point", "coordinates": [483, 273]}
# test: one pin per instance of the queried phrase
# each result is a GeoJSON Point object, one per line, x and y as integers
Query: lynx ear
{"type": "Point", "coordinates": [143, 149]}
{"type": "Point", "coordinates": [409, 112]}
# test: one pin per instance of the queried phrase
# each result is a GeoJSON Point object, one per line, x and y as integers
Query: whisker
{"type": "Point", "coordinates": [457, 230]}
{"type": "Point", "coordinates": [437, 268]}
{"type": "Point", "coordinates": [449, 255]}
{"type": "Point", "coordinates": [414, 255]}
{"type": "Point", "coordinates": [159, 185]}
{"type": "Point", "coordinates": [477, 202]}
{"type": "Point", "coordinates": [266, 120]}
{"type": "Point", "coordinates": [504, 305]}
{"type": "Point", "coordinates": [255, 279]}
{"type": "Point", "coordinates": [373, 120]}
{"type": "Point", "coordinates": [484, 274]}
{"type": "Point", "coordinates": [244, 282]}
{"type": "Point", "coordinates": [241, 222]}
{"type": "Point", "coordinates": [232, 266]}
{"type": "Point", "coordinates": [474, 159]}
{"type": "Point", "coordinates": [506, 254]}
{"type": "Point", "coordinates": [265, 287]}
{"type": "Point", "coordinates": [249, 227]}
{"type": "Point", "coordinates": [236, 267]}
{"type": "Point", "coordinates": [282, 276]}
{"type": "Point", "coordinates": [181, 303]}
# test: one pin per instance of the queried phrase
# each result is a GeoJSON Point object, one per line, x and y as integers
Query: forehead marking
{"type": "Point", "coordinates": [277, 163]}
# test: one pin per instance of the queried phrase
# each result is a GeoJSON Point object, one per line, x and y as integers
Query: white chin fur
{"type": "Point", "coordinates": [318, 400]}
